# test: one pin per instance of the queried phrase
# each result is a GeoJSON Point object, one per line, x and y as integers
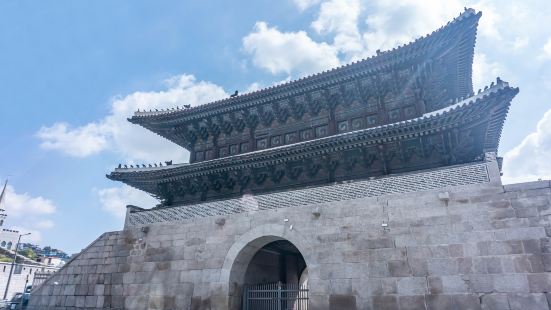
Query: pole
{"type": "Point", "coordinates": [13, 264]}
{"type": "Point", "coordinates": [24, 292]}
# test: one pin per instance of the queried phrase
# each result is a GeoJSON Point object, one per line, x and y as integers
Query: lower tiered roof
{"type": "Point", "coordinates": [460, 133]}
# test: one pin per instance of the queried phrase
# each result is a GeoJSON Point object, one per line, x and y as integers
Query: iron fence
{"type": "Point", "coordinates": [40, 277]}
{"type": "Point", "coordinates": [275, 296]}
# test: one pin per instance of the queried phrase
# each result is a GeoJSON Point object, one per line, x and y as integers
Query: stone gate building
{"type": "Point", "coordinates": [375, 185]}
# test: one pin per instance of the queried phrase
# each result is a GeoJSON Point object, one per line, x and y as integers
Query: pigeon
{"type": "Point", "coordinates": [187, 106]}
{"type": "Point", "coordinates": [234, 94]}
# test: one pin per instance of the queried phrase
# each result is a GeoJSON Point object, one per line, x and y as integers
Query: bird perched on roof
{"type": "Point", "coordinates": [120, 165]}
{"type": "Point", "coordinates": [234, 94]}
{"type": "Point", "coordinates": [125, 166]}
{"type": "Point", "coordinates": [187, 106]}
{"type": "Point", "coordinates": [143, 166]}
{"type": "Point", "coordinates": [168, 162]}
{"type": "Point", "coordinates": [150, 165]}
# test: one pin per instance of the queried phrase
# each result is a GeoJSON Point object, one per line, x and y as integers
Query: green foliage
{"type": "Point", "coordinates": [29, 253]}
{"type": "Point", "coordinates": [5, 259]}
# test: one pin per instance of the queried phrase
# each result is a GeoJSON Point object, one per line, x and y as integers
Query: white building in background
{"type": "Point", "coordinates": [8, 237]}
{"type": "Point", "coordinates": [24, 271]}
{"type": "Point", "coordinates": [51, 261]}
{"type": "Point", "coordinates": [22, 276]}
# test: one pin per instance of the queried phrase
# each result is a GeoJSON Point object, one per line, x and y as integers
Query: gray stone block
{"type": "Point", "coordinates": [495, 302]}
{"type": "Point", "coordinates": [466, 302]}
{"type": "Point", "coordinates": [412, 286]}
{"type": "Point", "coordinates": [528, 301]}
{"type": "Point", "coordinates": [412, 302]}
{"type": "Point", "coordinates": [539, 282]}
{"type": "Point", "coordinates": [386, 302]}
{"type": "Point", "coordinates": [399, 268]}
{"type": "Point", "coordinates": [448, 266]}
{"type": "Point", "coordinates": [438, 302]}
{"type": "Point", "coordinates": [511, 283]}
{"type": "Point", "coordinates": [337, 302]}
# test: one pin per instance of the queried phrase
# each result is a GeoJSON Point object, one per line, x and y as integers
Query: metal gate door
{"type": "Point", "coordinates": [275, 296]}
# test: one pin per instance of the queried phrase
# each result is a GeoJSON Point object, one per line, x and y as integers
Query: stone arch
{"type": "Point", "coordinates": [247, 245]}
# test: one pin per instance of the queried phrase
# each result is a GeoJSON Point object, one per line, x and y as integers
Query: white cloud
{"type": "Point", "coordinates": [28, 213]}
{"type": "Point", "coordinates": [133, 142]}
{"type": "Point", "coordinates": [520, 43]}
{"type": "Point", "coordinates": [34, 237]}
{"type": "Point", "coordinates": [114, 199]}
{"type": "Point", "coordinates": [485, 71]}
{"type": "Point", "coordinates": [45, 224]}
{"type": "Point", "coordinates": [79, 142]}
{"type": "Point", "coordinates": [20, 205]}
{"type": "Point", "coordinates": [489, 25]}
{"type": "Point", "coordinates": [288, 52]}
{"type": "Point", "coordinates": [547, 48]}
{"type": "Point", "coordinates": [305, 4]}
{"type": "Point", "coordinates": [252, 87]}
{"type": "Point", "coordinates": [529, 160]}
{"type": "Point", "coordinates": [393, 23]}
{"type": "Point", "coordinates": [340, 18]}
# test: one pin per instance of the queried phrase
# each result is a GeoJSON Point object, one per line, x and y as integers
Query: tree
{"type": "Point", "coordinates": [29, 253]}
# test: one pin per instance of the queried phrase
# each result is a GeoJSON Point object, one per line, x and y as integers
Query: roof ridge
{"type": "Point", "coordinates": [468, 12]}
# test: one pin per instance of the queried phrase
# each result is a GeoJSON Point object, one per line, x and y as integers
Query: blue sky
{"type": "Point", "coordinates": [72, 71]}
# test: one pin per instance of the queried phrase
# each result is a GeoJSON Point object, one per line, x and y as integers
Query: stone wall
{"type": "Point", "coordinates": [479, 246]}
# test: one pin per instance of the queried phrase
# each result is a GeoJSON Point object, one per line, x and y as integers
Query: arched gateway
{"type": "Point", "coordinates": [265, 267]}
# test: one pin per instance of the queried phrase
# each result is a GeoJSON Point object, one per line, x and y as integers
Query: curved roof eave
{"type": "Point", "coordinates": [380, 132]}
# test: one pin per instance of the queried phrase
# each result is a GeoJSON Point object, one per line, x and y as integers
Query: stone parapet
{"type": "Point", "coordinates": [474, 246]}
{"type": "Point", "coordinates": [485, 174]}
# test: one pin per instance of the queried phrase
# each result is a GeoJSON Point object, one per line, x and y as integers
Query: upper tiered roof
{"type": "Point", "coordinates": [430, 70]}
